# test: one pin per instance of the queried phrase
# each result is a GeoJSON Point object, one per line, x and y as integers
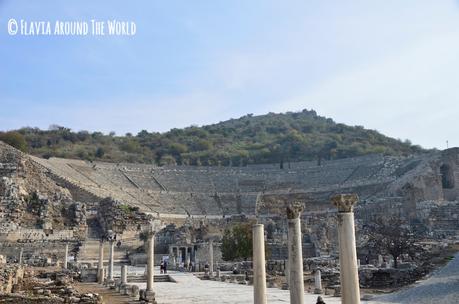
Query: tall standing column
{"type": "Point", "coordinates": [149, 293]}
{"type": "Point", "coordinates": [318, 282]}
{"type": "Point", "coordinates": [295, 254]}
{"type": "Point", "coordinates": [150, 261]}
{"type": "Point", "coordinates": [21, 253]}
{"type": "Point", "coordinates": [123, 285]}
{"type": "Point", "coordinates": [350, 291]}
{"type": "Point", "coordinates": [187, 257]}
{"type": "Point", "coordinates": [124, 274]}
{"type": "Point", "coordinates": [211, 258]}
{"type": "Point", "coordinates": [110, 259]}
{"type": "Point", "coordinates": [66, 255]}
{"type": "Point", "coordinates": [259, 270]}
{"type": "Point", "coordinates": [100, 266]}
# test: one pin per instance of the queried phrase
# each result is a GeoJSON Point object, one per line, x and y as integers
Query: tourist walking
{"type": "Point", "coordinates": [319, 300]}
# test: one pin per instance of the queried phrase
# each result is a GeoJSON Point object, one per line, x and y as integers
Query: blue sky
{"type": "Point", "coordinates": [388, 65]}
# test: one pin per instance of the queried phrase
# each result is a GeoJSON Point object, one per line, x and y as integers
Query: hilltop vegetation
{"type": "Point", "coordinates": [270, 138]}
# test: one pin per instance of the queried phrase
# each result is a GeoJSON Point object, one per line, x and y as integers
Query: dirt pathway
{"type": "Point", "coordinates": [110, 296]}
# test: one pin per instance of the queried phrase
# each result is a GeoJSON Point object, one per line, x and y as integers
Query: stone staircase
{"type": "Point", "coordinates": [89, 252]}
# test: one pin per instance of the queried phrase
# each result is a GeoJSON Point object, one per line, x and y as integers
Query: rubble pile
{"type": "Point", "coordinates": [29, 199]}
{"type": "Point", "coordinates": [10, 275]}
{"type": "Point", "coordinates": [48, 289]}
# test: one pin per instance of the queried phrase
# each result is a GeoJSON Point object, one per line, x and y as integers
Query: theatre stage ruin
{"type": "Point", "coordinates": [73, 214]}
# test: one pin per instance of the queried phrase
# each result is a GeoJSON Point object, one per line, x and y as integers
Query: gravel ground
{"type": "Point", "coordinates": [441, 288]}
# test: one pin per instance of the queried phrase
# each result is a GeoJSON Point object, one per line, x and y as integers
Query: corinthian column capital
{"type": "Point", "coordinates": [345, 202]}
{"type": "Point", "coordinates": [294, 210]}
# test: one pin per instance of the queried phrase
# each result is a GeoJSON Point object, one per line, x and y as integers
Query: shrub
{"type": "Point", "coordinates": [14, 139]}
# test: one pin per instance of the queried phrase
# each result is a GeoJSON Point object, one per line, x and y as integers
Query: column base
{"type": "Point", "coordinates": [100, 276]}
{"type": "Point", "coordinates": [148, 296]}
{"type": "Point", "coordinates": [117, 285]}
{"type": "Point", "coordinates": [134, 291]}
{"type": "Point", "coordinates": [111, 283]}
{"type": "Point", "coordinates": [124, 289]}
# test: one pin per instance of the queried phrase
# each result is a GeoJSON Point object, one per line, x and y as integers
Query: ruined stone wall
{"type": "Point", "coordinates": [32, 206]}
{"type": "Point", "coordinates": [177, 194]}
{"type": "Point", "coordinates": [9, 276]}
{"type": "Point", "coordinates": [440, 218]}
{"type": "Point", "coordinates": [33, 250]}
{"type": "Point", "coordinates": [120, 218]}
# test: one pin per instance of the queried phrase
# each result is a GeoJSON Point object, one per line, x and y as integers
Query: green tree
{"type": "Point", "coordinates": [167, 160]}
{"type": "Point", "coordinates": [237, 242]}
{"type": "Point", "coordinates": [100, 152]}
{"type": "Point", "coordinates": [14, 139]}
{"type": "Point", "coordinates": [271, 138]}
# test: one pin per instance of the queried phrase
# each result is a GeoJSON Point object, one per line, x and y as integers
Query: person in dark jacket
{"type": "Point", "coordinates": [319, 300]}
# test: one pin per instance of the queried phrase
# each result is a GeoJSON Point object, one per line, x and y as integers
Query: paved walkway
{"type": "Point", "coordinates": [441, 288]}
{"type": "Point", "coordinates": [190, 289]}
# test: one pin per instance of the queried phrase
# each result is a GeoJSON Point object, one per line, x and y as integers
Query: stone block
{"type": "Point", "coordinates": [135, 291]}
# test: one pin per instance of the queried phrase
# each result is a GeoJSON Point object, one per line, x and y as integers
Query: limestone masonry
{"type": "Point", "coordinates": [418, 185]}
{"type": "Point", "coordinates": [64, 212]}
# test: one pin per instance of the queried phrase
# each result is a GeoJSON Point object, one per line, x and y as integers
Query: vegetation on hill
{"type": "Point", "coordinates": [14, 139]}
{"type": "Point", "coordinates": [270, 138]}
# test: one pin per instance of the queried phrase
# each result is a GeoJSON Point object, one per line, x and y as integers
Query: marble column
{"type": "Point", "coordinates": [259, 270]}
{"type": "Point", "coordinates": [21, 253]}
{"type": "Point", "coordinates": [149, 294]}
{"type": "Point", "coordinates": [211, 258]}
{"type": "Point", "coordinates": [349, 274]}
{"type": "Point", "coordinates": [150, 261]}
{"type": "Point", "coordinates": [110, 259]}
{"type": "Point", "coordinates": [318, 282]}
{"type": "Point", "coordinates": [187, 257]}
{"type": "Point", "coordinates": [123, 284]}
{"type": "Point", "coordinates": [295, 254]}
{"type": "Point", "coordinates": [124, 274]}
{"type": "Point", "coordinates": [100, 266]}
{"type": "Point", "coordinates": [66, 256]}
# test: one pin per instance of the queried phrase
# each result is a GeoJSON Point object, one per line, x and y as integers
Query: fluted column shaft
{"type": "Point", "coordinates": [150, 261]}
{"type": "Point", "coordinates": [100, 266]}
{"type": "Point", "coordinates": [349, 274]}
{"type": "Point", "coordinates": [259, 270]}
{"type": "Point", "coordinates": [295, 254]}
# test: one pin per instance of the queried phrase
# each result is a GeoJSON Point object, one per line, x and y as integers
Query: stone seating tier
{"type": "Point", "coordinates": [220, 190]}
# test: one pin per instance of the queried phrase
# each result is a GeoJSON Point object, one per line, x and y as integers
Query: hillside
{"type": "Point", "coordinates": [270, 138]}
